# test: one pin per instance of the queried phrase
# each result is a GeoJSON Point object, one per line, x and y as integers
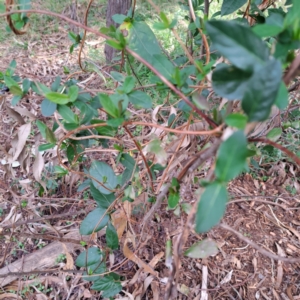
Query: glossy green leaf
{"type": "Point", "coordinates": [10, 82]}
{"type": "Point", "coordinates": [16, 99]}
{"type": "Point", "coordinates": [58, 98]}
{"type": "Point", "coordinates": [42, 128]}
{"type": "Point", "coordinates": [211, 207]}
{"type": "Point", "coordinates": [108, 285]}
{"type": "Point", "coordinates": [236, 120]}
{"type": "Point", "coordinates": [73, 93]}
{"type": "Point", "coordinates": [112, 239]}
{"type": "Point", "coordinates": [71, 126]}
{"type": "Point", "coordinates": [87, 258]}
{"type": "Point", "coordinates": [109, 105]}
{"type": "Point", "coordinates": [128, 84]}
{"type": "Point", "coordinates": [262, 91]}
{"type": "Point", "coordinates": [103, 200]}
{"type": "Point", "coordinates": [94, 221]}
{"type": "Point", "coordinates": [129, 163]}
{"type": "Point", "coordinates": [238, 44]}
{"type": "Point", "coordinates": [142, 40]}
{"type": "Point", "coordinates": [115, 122]}
{"type": "Point", "coordinates": [140, 99]}
{"type": "Point", "coordinates": [266, 30]}
{"type": "Point", "coordinates": [45, 147]}
{"type": "Point", "coordinates": [230, 6]}
{"type": "Point", "coordinates": [104, 130]}
{"type": "Point", "coordinates": [173, 199]}
{"type": "Point", "coordinates": [203, 249]}
{"type": "Point", "coordinates": [40, 88]}
{"type": "Point", "coordinates": [231, 157]}
{"type": "Point", "coordinates": [118, 18]}
{"type": "Point", "coordinates": [11, 68]}
{"type": "Point", "coordinates": [26, 85]}
{"type": "Point", "coordinates": [114, 44]}
{"type": "Point", "coordinates": [95, 269]}
{"type": "Point", "coordinates": [56, 83]}
{"type": "Point", "coordinates": [230, 82]}
{"type": "Point", "coordinates": [48, 108]}
{"type": "Point", "coordinates": [282, 99]}
{"type": "Point", "coordinates": [103, 173]}
{"type": "Point", "coordinates": [274, 134]}
{"type": "Point", "coordinates": [50, 137]}
{"type": "Point", "coordinates": [67, 113]}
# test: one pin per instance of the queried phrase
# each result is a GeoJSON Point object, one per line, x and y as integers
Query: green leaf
{"type": "Point", "coordinates": [274, 134]}
{"type": "Point", "coordinates": [109, 105]}
{"type": "Point", "coordinates": [160, 26]}
{"type": "Point", "coordinates": [230, 6]}
{"type": "Point", "coordinates": [50, 137]}
{"type": "Point", "coordinates": [40, 88]}
{"type": "Point", "coordinates": [67, 114]}
{"type": "Point", "coordinates": [94, 221]}
{"type": "Point", "coordinates": [203, 249]}
{"type": "Point", "coordinates": [26, 85]}
{"type": "Point", "coordinates": [114, 44]}
{"type": "Point", "coordinates": [57, 98]}
{"type": "Point", "coordinates": [15, 100]}
{"type": "Point", "coordinates": [100, 171]}
{"type": "Point", "coordinates": [48, 108]}
{"type": "Point", "coordinates": [211, 207]}
{"type": "Point", "coordinates": [282, 99]}
{"type": "Point", "coordinates": [16, 90]}
{"type": "Point", "coordinates": [140, 99]}
{"type": "Point", "coordinates": [103, 200]}
{"type": "Point", "coordinates": [9, 81]}
{"type": "Point", "coordinates": [90, 257]}
{"type": "Point", "coordinates": [55, 85]}
{"type": "Point", "coordinates": [11, 68]}
{"type": "Point", "coordinates": [266, 30]}
{"type": "Point", "coordinates": [128, 84]}
{"type": "Point", "coordinates": [115, 122]}
{"type": "Point", "coordinates": [108, 285]}
{"type": "Point", "coordinates": [71, 126]}
{"type": "Point", "coordinates": [104, 130]}
{"type": "Point", "coordinates": [73, 93]}
{"type": "Point", "coordinates": [236, 120]}
{"type": "Point", "coordinates": [42, 128]}
{"type": "Point", "coordinates": [238, 44]}
{"type": "Point", "coordinates": [112, 240]}
{"type": "Point", "coordinates": [173, 198]}
{"type": "Point", "coordinates": [45, 147]}
{"type": "Point", "coordinates": [118, 18]}
{"type": "Point", "coordinates": [129, 163]}
{"type": "Point", "coordinates": [262, 91]}
{"type": "Point", "coordinates": [230, 82]}
{"type": "Point", "coordinates": [142, 40]}
{"type": "Point", "coordinates": [231, 157]}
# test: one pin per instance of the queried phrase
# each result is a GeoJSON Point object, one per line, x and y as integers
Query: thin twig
{"type": "Point", "coordinates": [257, 247]}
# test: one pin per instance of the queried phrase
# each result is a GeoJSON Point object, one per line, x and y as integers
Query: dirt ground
{"type": "Point", "coordinates": [260, 208]}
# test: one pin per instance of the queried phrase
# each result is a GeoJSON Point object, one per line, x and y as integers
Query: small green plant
{"type": "Point", "coordinates": [61, 258]}
{"type": "Point", "coordinates": [252, 73]}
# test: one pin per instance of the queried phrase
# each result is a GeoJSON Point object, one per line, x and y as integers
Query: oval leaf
{"type": "Point", "coordinates": [94, 221]}
{"type": "Point", "coordinates": [211, 207]}
{"type": "Point", "coordinates": [103, 173]}
{"type": "Point", "coordinates": [231, 157]}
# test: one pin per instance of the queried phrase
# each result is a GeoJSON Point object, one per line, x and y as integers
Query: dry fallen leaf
{"type": "Point", "coordinates": [133, 257]}
{"type": "Point", "coordinates": [23, 133]}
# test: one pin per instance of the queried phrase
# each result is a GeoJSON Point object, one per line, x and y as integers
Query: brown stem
{"type": "Point", "coordinates": [143, 156]}
{"type": "Point", "coordinates": [289, 153]}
